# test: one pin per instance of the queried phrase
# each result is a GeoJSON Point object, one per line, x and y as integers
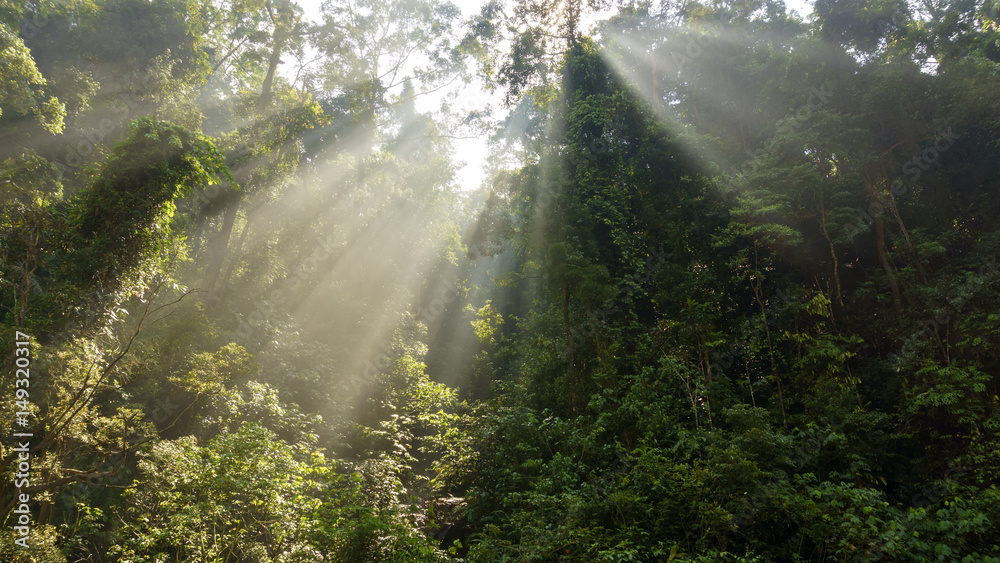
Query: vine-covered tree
{"type": "Point", "coordinates": [728, 292]}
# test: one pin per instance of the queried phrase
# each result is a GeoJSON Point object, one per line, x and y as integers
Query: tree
{"type": "Point", "coordinates": [23, 84]}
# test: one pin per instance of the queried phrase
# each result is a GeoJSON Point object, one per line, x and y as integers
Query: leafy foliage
{"type": "Point", "coordinates": [730, 293]}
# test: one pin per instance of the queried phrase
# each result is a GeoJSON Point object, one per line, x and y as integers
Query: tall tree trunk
{"type": "Point", "coordinates": [906, 238]}
{"type": "Point", "coordinates": [571, 373]}
{"type": "Point", "coordinates": [657, 98]}
{"type": "Point", "coordinates": [199, 233]}
{"type": "Point", "coordinates": [706, 366]}
{"type": "Point", "coordinates": [883, 259]}
{"type": "Point", "coordinates": [217, 250]}
{"type": "Point", "coordinates": [758, 292]}
{"type": "Point", "coordinates": [838, 295]}
{"type": "Point", "coordinates": [279, 36]}
{"type": "Point", "coordinates": [33, 243]}
{"type": "Point", "coordinates": [880, 246]}
{"type": "Point", "coordinates": [573, 12]}
{"type": "Point", "coordinates": [238, 247]}
{"type": "Point", "coordinates": [221, 243]}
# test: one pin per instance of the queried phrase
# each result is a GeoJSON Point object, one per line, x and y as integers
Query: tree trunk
{"type": "Point", "coordinates": [657, 99]}
{"type": "Point", "coordinates": [758, 291]}
{"type": "Point", "coordinates": [232, 210]}
{"type": "Point", "coordinates": [906, 237]}
{"type": "Point", "coordinates": [569, 350]}
{"type": "Point", "coordinates": [217, 252]}
{"type": "Point", "coordinates": [279, 36]}
{"type": "Point", "coordinates": [838, 294]}
{"type": "Point", "coordinates": [883, 258]}
{"type": "Point", "coordinates": [238, 247]}
{"type": "Point", "coordinates": [880, 247]}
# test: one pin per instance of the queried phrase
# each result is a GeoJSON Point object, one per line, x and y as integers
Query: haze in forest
{"type": "Point", "coordinates": [509, 280]}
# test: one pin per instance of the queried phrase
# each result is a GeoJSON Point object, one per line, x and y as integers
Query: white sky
{"type": "Point", "coordinates": [470, 154]}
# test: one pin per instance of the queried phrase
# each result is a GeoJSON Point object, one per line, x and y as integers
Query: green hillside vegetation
{"type": "Point", "coordinates": [729, 291]}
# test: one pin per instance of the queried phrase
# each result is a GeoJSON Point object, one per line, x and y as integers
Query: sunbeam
{"type": "Point", "coordinates": [511, 280]}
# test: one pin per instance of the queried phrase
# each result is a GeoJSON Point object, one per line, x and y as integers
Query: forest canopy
{"type": "Point", "coordinates": [728, 289]}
